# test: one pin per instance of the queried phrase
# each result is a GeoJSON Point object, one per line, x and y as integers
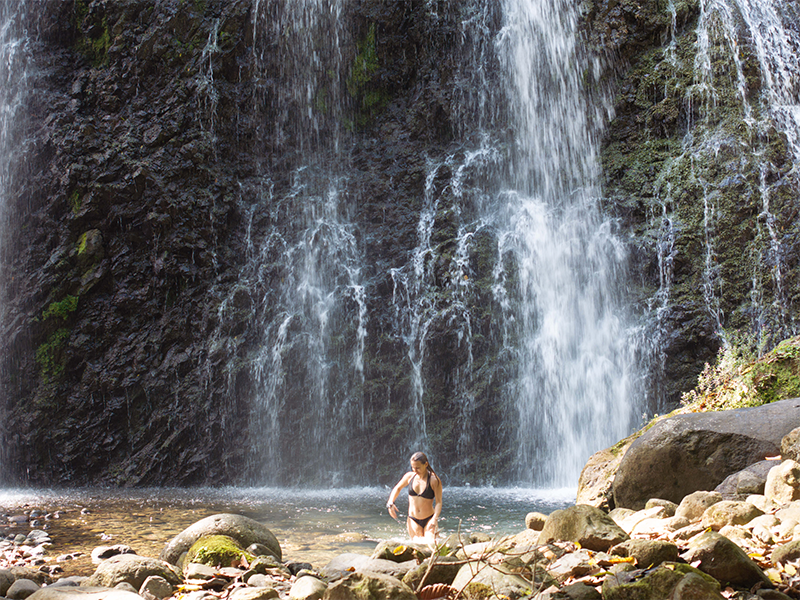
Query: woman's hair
{"type": "Point", "coordinates": [420, 457]}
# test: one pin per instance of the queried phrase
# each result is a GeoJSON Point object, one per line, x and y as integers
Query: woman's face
{"type": "Point", "coordinates": [420, 468]}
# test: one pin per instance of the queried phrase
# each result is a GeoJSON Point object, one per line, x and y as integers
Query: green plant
{"type": "Point", "coordinates": [739, 379]}
{"type": "Point", "coordinates": [61, 309]}
{"type": "Point", "coordinates": [74, 201]}
{"type": "Point", "coordinates": [48, 355]}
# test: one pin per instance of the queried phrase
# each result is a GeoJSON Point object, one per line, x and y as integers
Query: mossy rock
{"type": "Point", "coordinates": [217, 550]}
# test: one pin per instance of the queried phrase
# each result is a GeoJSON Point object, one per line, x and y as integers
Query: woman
{"type": "Point", "coordinates": [424, 487]}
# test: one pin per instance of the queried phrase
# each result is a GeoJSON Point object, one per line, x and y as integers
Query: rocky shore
{"type": "Point", "coordinates": [696, 506]}
{"type": "Point", "coordinates": [703, 547]}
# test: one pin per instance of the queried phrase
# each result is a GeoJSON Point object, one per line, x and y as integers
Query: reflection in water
{"type": "Point", "coordinates": [311, 525]}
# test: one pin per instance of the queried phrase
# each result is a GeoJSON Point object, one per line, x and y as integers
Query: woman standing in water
{"type": "Point", "coordinates": [424, 498]}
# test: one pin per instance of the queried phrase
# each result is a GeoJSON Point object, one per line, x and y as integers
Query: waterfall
{"type": "Point", "coordinates": [306, 269]}
{"type": "Point", "coordinates": [575, 394]}
{"type": "Point", "coordinates": [526, 175]}
{"type": "Point", "coordinates": [14, 88]}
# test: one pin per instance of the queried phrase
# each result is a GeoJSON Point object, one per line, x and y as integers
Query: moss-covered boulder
{"type": "Point", "coordinates": [243, 530]}
{"type": "Point", "coordinates": [668, 580]}
{"type": "Point", "coordinates": [216, 551]}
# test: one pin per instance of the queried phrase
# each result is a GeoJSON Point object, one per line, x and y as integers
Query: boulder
{"type": "Point", "coordinates": [675, 581]}
{"type": "Point", "coordinates": [583, 524]}
{"type": "Point", "coordinates": [155, 588]}
{"type": "Point", "coordinates": [790, 445]}
{"type": "Point", "coordinates": [244, 530]}
{"type": "Point", "coordinates": [82, 593]}
{"type": "Point", "coordinates": [444, 571]}
{"type": "Point", "coordinates": [400, 552]}
{"type": "Point", "coordinates": [596, 478]}
{"type": "Point", "coordinates": [253, 593]}
{"type": "Point", "coordinates": [783, 482]}
{"type": "Point", "coordinates": [723, 560]}
{"type": "Point", "coordinates": [786, 552]}
{"type": "Point", "coordinates": [307, 588]}
{"type": "Point", "coordinates": [682, 454]}
{"type": "Point", "coordinates": [746, 482]}
{"type": "Point", "coordinates": [369, 586]}
{"type": "Point", "coordinates": [535, 520]}
{"type": "Point", "coordinates": [482, 580]}
{"type": "Point", "coordinates": [134, 569]}
{"type": "Point", "coordinates": [365, 564]}
{"type": "Point", "coordinates": [217, 550]}
{"type": "Point", "coordinates": [6, 579]}
{"type": "Point", "coordinates": [648, 553]}
{"type": "Point", "coordinates": [103, 552]}
{"type": "Point", "coordinates": [21, 589]}
{"type": "Point", "coordinates": [694, 505]}
{"type": "Point", "coordinates": [729, 512]}
{"type": "Point", "coordinates": [669, 507]}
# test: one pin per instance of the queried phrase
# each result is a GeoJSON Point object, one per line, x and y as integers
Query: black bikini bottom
{"type": "Point", "coordinates": [421, 522]}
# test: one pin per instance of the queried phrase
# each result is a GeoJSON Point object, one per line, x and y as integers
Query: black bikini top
{"type": "Point", "coordinates": [426, 493]}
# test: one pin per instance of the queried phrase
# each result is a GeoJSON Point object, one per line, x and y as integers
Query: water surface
{"type": "Point", "coordinates": [311, 525]}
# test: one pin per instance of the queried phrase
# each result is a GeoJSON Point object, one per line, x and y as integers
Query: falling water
{"type": "Point", "coordinates": [14, 88]}
{"type": "Point", "coordinates": [575, 390]}
{"type": "Point", "coordinates": [728, 30]}
{"type": "Point", "coordinates": [307, 266]}
{"type": "Point", "coordinates": [557, 291]}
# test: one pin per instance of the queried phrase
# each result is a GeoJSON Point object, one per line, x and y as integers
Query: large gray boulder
{"type": "Point", "coordinates": [724, 560]}
{"type": "Point", "coordinates": [685, 453]}
{"type": "Point", "coordinates": [244, 530]}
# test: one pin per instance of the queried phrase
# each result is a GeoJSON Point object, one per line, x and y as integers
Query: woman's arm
{"type": "Point", "coordinates": [395, 493]}
{"type": "Point", "coordinates": [432, 525]}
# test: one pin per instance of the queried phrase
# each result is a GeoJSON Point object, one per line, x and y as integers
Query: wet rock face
{"type": "Point", "coordinates": [686, 174]}
{"type": "Point", "coordinates": [153, 145]}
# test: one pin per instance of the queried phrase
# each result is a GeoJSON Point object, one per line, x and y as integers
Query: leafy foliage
{"type": "Point", "coordinates": [738, 380]}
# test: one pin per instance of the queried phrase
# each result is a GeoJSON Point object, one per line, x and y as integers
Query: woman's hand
{"type": "Point", "coordinates": [432, 528]}
{"type": "Point", "coordinates": [392, 509]}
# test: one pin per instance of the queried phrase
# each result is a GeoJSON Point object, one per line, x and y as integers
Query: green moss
{"type": "Point", "coordinates": [49, 355]}
{"type": "Point", "coordinates": [61, 309]}
{"type": "Point", "coordinates": [75, 201]}
{"type": "Point", "coordinates": [360, 83]}
{"type": "Point", "coordinates": [94, 47]}
{"type": "Point", "coordinates": [217, 550]}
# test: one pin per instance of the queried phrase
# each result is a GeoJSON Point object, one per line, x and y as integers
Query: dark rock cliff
{"type": "Point", "coordinates": [128, 333]}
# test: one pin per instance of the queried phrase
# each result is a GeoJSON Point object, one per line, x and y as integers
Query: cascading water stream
{"type": "Point", "coordinates": [727, 29]}
{"type": "Point", "coordinates": [559, 271]}
{"type": "Point", "coordinates": [575, 393]}
{"type": "Point", "coordinates": [312, 309]}
{"type": "Point", "coordinates": [15, 71]}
